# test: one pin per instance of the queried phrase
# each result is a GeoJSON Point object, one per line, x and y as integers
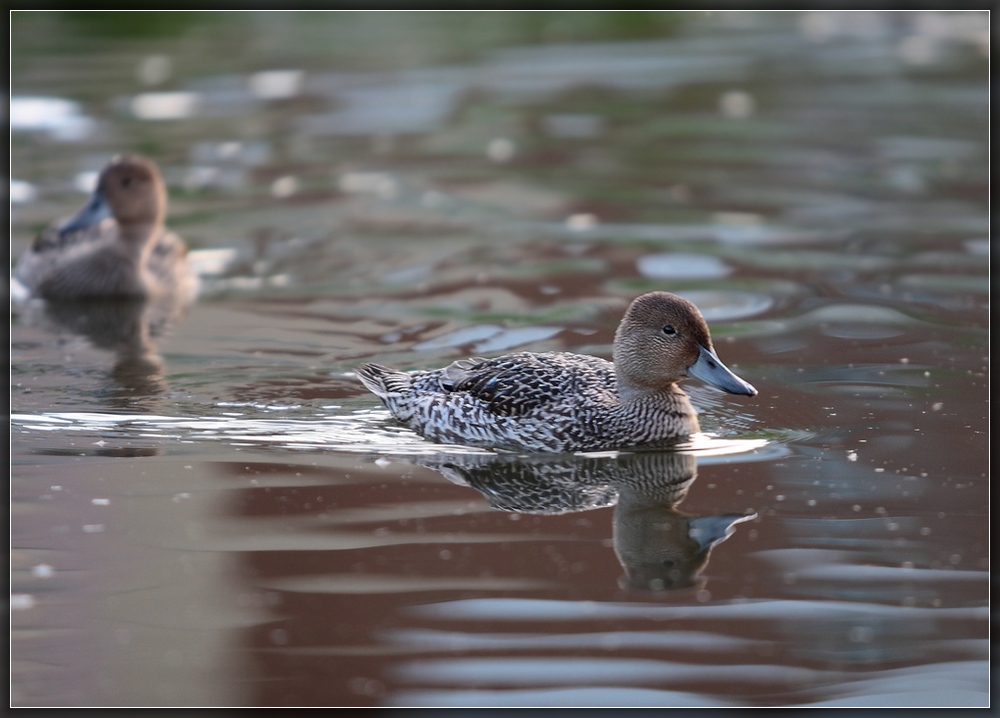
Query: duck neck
{"type": "Point", "coordinates": [630, 393]}
{"type": "Point", "coordinates": [666, 411]}
{"type": "Point", "coordinates": [136, 242]}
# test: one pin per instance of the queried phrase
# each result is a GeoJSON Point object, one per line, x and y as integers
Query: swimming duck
{"type": "Point", "coordinates": [564, 402]}
{"type": "Point", "coordinates": [115, 247]}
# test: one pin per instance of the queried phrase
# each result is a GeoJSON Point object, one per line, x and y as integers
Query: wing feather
{"type": "Point", "coordinates": [517, 384]}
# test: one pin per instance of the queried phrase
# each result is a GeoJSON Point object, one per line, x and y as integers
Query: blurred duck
{"type": "Point", "coordinates": [564, 402]}
{"type": "Point", "coordinates": [116, 247]}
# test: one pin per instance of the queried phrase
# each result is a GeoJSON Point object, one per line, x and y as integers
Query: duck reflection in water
{"type": "Point", "coordinates": [130, 328]}
{"type": "Point", "coordinates": [658, 546]}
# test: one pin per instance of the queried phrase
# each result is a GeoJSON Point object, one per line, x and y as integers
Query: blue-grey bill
{"type": "Point", "coordinates": [94, 211]}
{"type": "Point", "coordinates": [710, 370]}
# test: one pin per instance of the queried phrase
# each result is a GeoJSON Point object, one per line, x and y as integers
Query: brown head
{"type": "Point", "coordinates": [663, 338]}
{"type": "Point", "coordinates": [134, 190]}
{"type": "Point", "coordinates": [131, 190]}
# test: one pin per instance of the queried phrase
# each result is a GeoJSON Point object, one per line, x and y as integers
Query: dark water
{"type": "Point", "coordinates": [217, 513]}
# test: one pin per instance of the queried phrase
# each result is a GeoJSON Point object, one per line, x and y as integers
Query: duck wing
{"type": "Point", "coordinates": [517, 384]}
{"type": "Point", "coordinates": [52, 239]}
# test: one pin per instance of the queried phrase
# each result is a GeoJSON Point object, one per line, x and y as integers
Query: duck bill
{"type": "Point", "coordinates": [710, 370]}
{"type": "Point", "coordinates": [95, 210]}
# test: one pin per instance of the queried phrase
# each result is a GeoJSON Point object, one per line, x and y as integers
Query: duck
{"type": "Point", "coordinates": [563, 402]}
{"type": "Point", "coordinates": [115, 247]}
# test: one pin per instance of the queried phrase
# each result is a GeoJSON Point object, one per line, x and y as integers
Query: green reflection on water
{"type": "Point", "coordinates": [349, 39]}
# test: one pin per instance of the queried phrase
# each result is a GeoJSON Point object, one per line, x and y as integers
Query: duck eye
{"type": "Point", "coordinates": [669, 330]}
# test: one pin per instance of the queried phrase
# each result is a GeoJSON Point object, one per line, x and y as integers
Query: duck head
{"type": "Point", "coordinates": [663, 338]}
{"type": "Point", "coordinates": [129, 189]}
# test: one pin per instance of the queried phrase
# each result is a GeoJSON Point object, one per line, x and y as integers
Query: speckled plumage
{"type": "Point", "coordinates": [129, 254]}
{"type": "Point", "coordinates": [564, 402]}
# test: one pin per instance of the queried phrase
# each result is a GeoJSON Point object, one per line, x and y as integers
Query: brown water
{"type": "Point", "coordinates": [219, 514]}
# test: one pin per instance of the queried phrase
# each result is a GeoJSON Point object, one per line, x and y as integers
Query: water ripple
{"type": "Point", "coordinates": [369, 431]}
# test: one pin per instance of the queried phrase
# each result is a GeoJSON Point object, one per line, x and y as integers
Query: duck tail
{"type": "Point", "coordinates": [383, 381]}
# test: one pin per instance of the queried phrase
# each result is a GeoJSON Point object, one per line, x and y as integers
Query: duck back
{"type": "Point", "coordinates": [552, 402]}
